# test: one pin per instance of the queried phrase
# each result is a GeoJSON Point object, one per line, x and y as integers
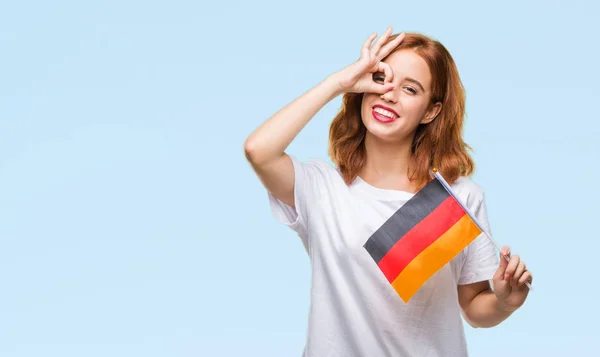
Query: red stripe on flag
{"type": "Point", "coordinates": [420, 237]}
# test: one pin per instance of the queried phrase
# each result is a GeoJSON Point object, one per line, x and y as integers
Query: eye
{"type": "Point", "coordinates": [411, 90]}
{"type": "Point", "coordinates": [378, 77]}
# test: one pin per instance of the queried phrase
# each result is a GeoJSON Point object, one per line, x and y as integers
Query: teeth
{"type": "Point", "coordinates": [387, 113]}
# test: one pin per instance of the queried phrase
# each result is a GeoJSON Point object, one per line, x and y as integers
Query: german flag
{"type": "Point", "coordinates": [421, 237]}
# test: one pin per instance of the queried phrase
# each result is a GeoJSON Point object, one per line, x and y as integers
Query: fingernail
{"type": "Point", "coordinates": [506, 276]}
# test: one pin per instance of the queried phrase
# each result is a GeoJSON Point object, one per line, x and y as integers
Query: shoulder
{"type": "Point", "coordinates": [320, 165]}
{"type": "Point", "coordinates": [316, 168]}
{"type": "Point", "coordinates": [469, 191]}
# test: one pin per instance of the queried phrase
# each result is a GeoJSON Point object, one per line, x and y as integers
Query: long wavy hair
{"type": "Point", "coordinates": [438, 144]}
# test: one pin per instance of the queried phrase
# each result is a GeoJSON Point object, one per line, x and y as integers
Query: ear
{"type": "Point", "coordinates": [432, 113]}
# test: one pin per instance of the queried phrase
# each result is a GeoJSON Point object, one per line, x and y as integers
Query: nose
{"type": "Point", "coordinates": [390, 96]}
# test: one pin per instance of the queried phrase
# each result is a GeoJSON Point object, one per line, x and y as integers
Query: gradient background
{"type": "Point", "coordinates": [131, 224]}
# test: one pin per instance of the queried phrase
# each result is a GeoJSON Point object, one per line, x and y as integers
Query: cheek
{"type": "Point", "coordinates": [367, 104]}
{"type": "Point", "coordinates": [414, 106]}
{"type": "Point", "coordinates": [367, 100]}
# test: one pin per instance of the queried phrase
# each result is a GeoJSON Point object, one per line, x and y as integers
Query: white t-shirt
{"type": "Point", "coordinates": [354, 310]}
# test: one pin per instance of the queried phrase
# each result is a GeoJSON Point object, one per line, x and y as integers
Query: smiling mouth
{"type": "Point", "coordinates": [384, 114]}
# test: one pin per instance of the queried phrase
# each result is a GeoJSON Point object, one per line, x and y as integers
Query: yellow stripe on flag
{"type": "Point", "coordinates": [434, 257]}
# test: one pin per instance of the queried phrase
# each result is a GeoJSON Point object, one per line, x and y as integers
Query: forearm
{"type": "Point", "coordinates": [271, 138]}
{"type": "Point", "coordinates": [485, 310]}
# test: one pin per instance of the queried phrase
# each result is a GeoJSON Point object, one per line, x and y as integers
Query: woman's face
{"type": "Point", "coordinates": [395, 116]}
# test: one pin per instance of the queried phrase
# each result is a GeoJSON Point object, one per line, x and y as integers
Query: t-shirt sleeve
{"type": "Point", "coordinates": [309, 177]}
{"type": "Point", "coordinates": [481, 257]}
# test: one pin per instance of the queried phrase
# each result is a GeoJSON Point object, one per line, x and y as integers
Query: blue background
{"type": "Point", "coordinates": [131, 224]}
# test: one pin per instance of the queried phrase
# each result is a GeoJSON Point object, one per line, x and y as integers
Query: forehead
{"type": "Point", "coordinates": [406, 63]}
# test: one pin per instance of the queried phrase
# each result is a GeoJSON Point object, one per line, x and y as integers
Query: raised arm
{"type": "Point", "coordinates": [265, 147]}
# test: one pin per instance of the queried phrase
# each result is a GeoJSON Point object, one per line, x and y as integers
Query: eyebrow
{"type": "Point", "coordinates": [412, 80]}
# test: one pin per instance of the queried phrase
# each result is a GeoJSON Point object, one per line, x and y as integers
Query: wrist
{"type": "Point", "coordinates": [333, 83]}
{"type": "Point", "coordinates": [503, 306]}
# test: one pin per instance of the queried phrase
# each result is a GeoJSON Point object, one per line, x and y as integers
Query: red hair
{"type": "Point", "coordinates": [437, 144]}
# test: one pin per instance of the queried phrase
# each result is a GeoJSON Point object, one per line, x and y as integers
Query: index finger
{"type": "Point", "coordinates": [387, 71]}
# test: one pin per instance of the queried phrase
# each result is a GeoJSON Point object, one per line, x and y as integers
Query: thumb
{"type": "Point", "coordinates": [504, 258]}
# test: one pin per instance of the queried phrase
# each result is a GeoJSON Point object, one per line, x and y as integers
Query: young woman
{"type": "Point", "coordinates": [402, 115]}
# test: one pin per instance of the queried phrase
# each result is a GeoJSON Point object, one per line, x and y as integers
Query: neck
{"type": "Point", "coordinates": [387, 164]}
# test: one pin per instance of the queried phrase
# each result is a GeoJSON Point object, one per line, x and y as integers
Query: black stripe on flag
{"type": "Point", "coordinates": [405, 218]}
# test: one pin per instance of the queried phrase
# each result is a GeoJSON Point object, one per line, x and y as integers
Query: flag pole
{"type": "Point", "coordinates": [464, 207]}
